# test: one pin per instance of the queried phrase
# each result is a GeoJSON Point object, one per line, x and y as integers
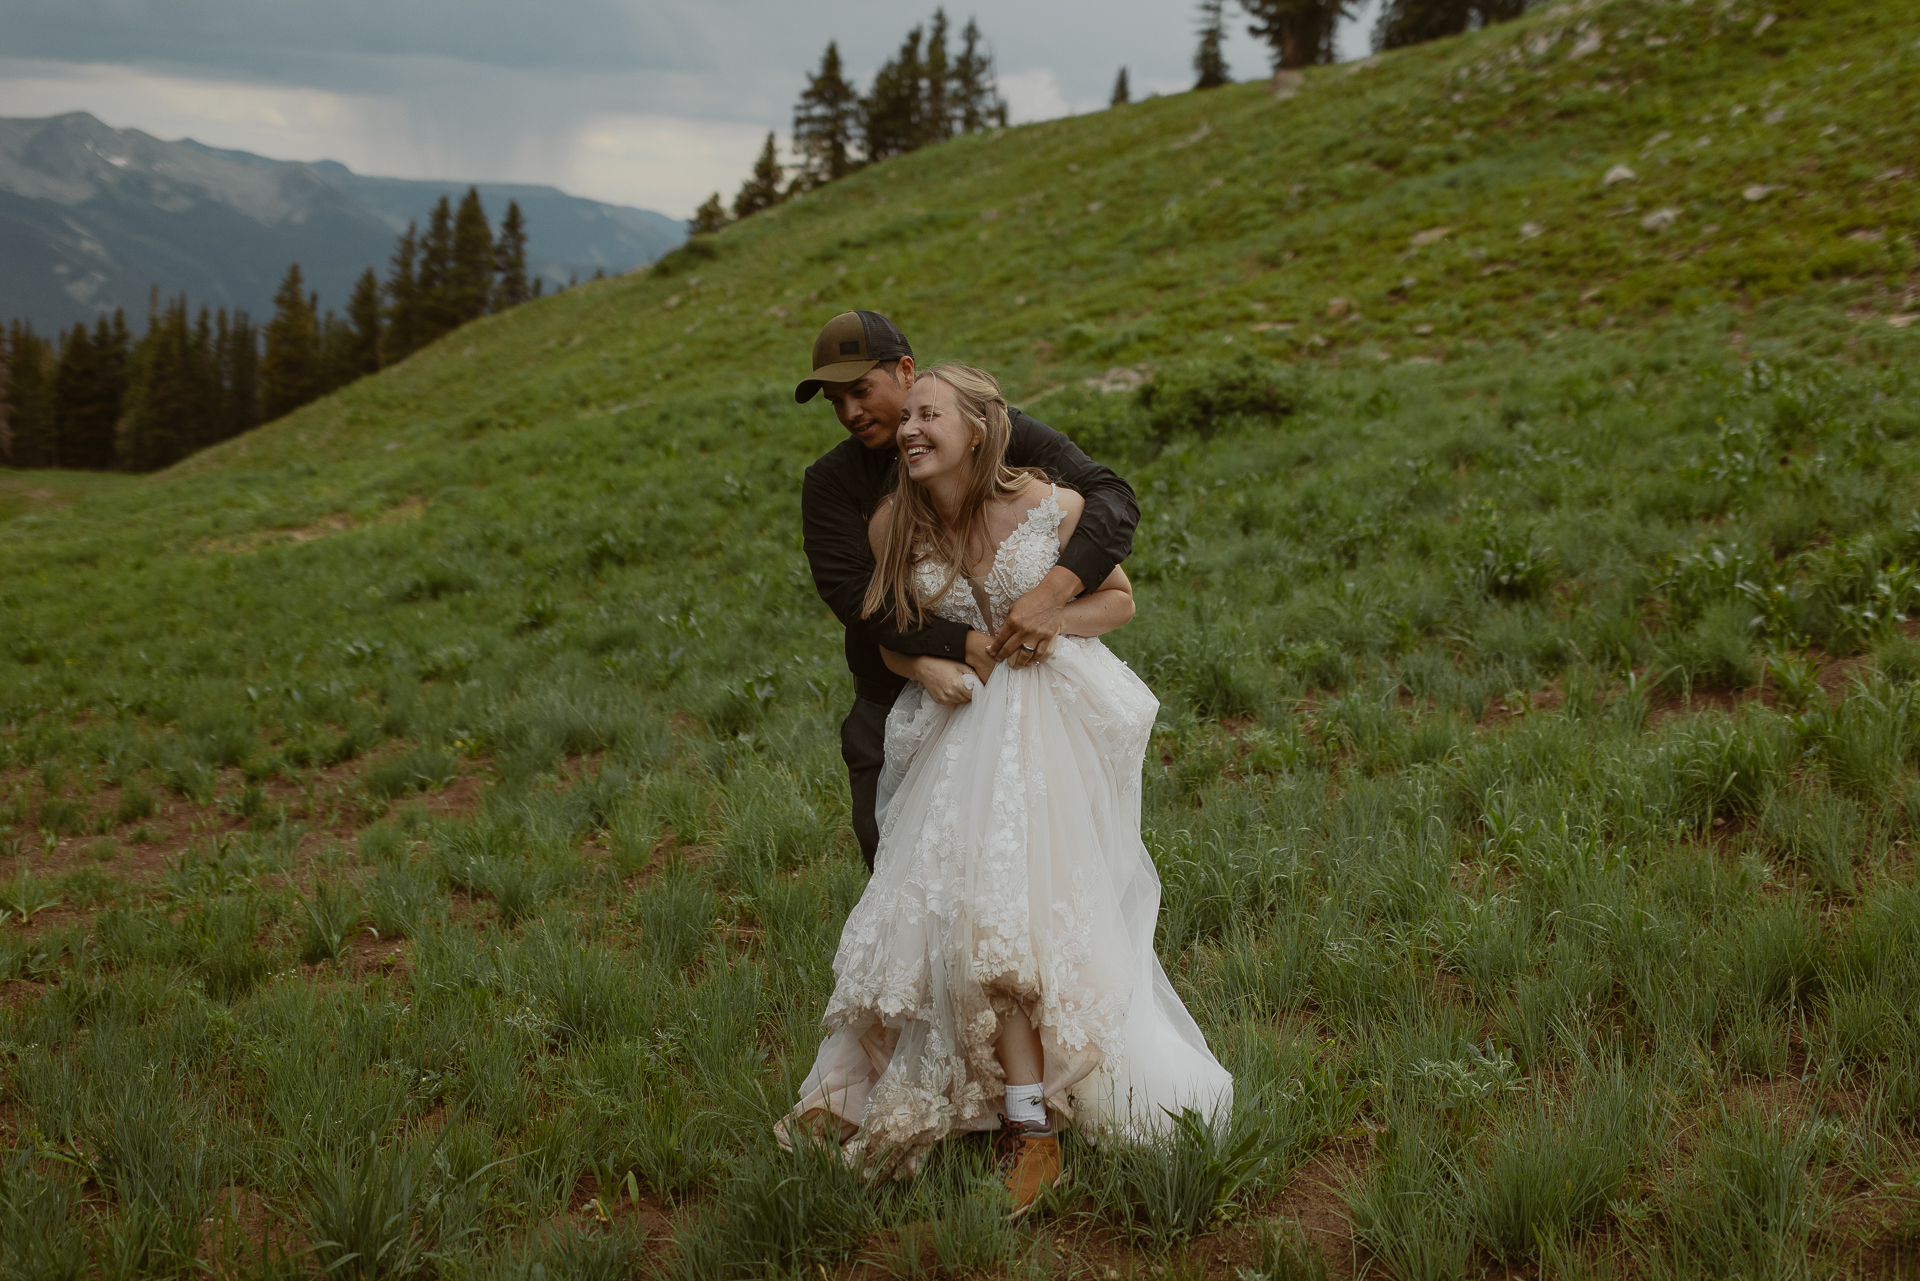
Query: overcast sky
{"type": "Point", "coordinates": [643, 102]}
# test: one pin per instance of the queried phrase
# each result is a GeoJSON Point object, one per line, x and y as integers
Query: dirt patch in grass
{"type": "Point", "coordinates": [409, 508]}
{"type": "Point", "coordinates": [1312, 1200]}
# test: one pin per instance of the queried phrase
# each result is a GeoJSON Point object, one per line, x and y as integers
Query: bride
{"type": "Point", "coordinates": [999, 970]}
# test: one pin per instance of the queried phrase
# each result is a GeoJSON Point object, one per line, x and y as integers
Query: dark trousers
{"type": "Point", "coordinates": [863, 745]}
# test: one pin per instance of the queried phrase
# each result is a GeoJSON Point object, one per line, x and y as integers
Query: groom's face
{"type": "Point", "coordinates": [871, 406]}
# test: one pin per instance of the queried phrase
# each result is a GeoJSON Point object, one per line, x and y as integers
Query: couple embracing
{"type": "Point", "coordinates": [998, 973]}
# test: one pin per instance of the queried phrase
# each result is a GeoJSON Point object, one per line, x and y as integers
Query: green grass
{"type": "Point", "coordinates": [32, 492]}
{"type": "Point", "coordinates": [1511, 812]}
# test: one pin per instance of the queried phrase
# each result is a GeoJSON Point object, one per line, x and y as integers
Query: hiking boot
{"type": "Point", "coordinates": [1028, 1163]}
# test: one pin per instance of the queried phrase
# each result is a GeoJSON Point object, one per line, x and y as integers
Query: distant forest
{"type": "Point", "coordinates": [96, 399]}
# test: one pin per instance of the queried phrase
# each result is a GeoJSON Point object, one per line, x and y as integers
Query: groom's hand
{"type": "Point", "coordinates": [1033, 625]}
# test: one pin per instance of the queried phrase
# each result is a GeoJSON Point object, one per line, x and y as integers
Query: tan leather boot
{"type": "Point", "coordinates": [1028, 1163]}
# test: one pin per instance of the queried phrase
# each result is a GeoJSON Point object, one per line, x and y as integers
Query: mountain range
{"type": "Point", "coordinates": [93, 217]}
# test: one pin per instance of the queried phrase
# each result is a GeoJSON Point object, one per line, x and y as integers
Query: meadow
{"type": "Point", "coordinates": [423, 837]}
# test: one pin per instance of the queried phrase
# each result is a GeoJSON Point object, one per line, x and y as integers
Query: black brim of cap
{"type": "Point", "coordinates": [843, 372]}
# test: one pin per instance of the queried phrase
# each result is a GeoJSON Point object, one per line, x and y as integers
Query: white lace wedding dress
{"type": "Point", "coordinates": [1010, 873]}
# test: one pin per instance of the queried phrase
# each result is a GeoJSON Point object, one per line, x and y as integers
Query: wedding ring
{"type": "Point", "coordinates": [1030, 649]}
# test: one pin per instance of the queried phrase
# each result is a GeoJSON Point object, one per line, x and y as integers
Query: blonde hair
{"type": "Point", "coordinates": [916, 532]}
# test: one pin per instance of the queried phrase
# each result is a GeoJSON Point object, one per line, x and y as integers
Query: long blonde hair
{"type": "Point", "coordinates": [917, 533]}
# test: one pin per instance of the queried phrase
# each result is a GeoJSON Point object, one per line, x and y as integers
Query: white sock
{"type": "Point", "coordinates": [1027, 1105]}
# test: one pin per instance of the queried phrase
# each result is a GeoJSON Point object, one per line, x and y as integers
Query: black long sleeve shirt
{"type": "Point", "coordinates": [846, 484]}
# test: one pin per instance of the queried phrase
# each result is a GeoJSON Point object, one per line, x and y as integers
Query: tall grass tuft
{"type": "Point", "coordinates": [1171, 1183]}
{"type": "Point", "coordinates": [1749, 1203]}
{"type": "Point", "coordinates": [675, 915]}
{"type": "Point", "coordinates": [403, 898]}
{"type": "Point", "coordinates": [1549, 1170]}
{"type": "Point", "coordinates": [780, 1213]}
{"type": "Point", "coordinates": [1822, 831]}
{"type": "Point", "coordinates": [360, 1216]}
{"type": "Point", "coordinates": [1409, 1210]}
{"type": "Point", "coordinates": [329, 918]}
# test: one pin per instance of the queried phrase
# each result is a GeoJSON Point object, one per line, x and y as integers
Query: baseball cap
{"type": "Point", "coordinates": [849, 345]}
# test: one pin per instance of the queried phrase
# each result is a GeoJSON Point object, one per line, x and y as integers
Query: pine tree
{"type": "Point", "coordinates": [402, 336]}
{"type": "Point", "coordinates": [1409, 22]}
{"type": "Point", "coordinates": [88, 387]}
{"type": "Point", "coordinates": [73, 378]}
{"type": "Point", "coordinates": [113, 344]}
{"type": "Point", "coordinates": [362, 355]}
{"type": "Point", "coordinates": [891, 114]}
{"type": "Point", "coordinates": [336, 353]}
{"type": "Point", "coordinates": [824, 122]}
{"type": "Point", "coordinates": [936, 103]}
{"type": "Point", "coordinates": [1299, 32]}
{"type": "Point", "coordinates": [510, 259]}
{"type": "Point", "coordinates": [437, 315]}
{"type": "Point", "coordinates": [171, 393]}
{"type": "Point", "coordinates": [762, 190]}
{"type": "Point", "coordinates": [225, 421]}
{"type": "Point", "coordinates": [6, 432]}
{"type": "Point", "coordinates": [203, 384]}
{"type": "Point", "coordinates": [31, 370]}
{"type": "Point", "coordinates": [707, 219]}
{"type": "Point", "coordinates": [470, 284]}
{"type": "Point", "coordinates": [240, 375]}
{"type": "Point", "coordinates": [291, 374]}
{"type": "Point", "coordinates": [1122, 94]}
{"type": "Point", "coordinates": [1209, 62]}
{"type": "Point", "coordinates": [975, 96]}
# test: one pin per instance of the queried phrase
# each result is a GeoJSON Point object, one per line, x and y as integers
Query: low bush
{"type": "Point", "coordinates": [1204, 397]}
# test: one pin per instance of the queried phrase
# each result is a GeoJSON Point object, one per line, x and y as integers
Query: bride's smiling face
{"type": "Point", "coordinates": [934, 440]}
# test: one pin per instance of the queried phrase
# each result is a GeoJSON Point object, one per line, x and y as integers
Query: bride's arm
{"type": "Point", "coordinates": [1097, 613]}
{"type": "Point", "coordinates": [945, 679]}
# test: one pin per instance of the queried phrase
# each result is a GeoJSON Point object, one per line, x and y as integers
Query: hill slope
{"type": "Point", "coordinates": [94, 217]}
{"type": "Point", "coordinates": [1534, 784]}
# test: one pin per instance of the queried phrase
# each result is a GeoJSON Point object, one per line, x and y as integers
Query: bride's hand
{"type": "Point", "coordinates": [948, 683]}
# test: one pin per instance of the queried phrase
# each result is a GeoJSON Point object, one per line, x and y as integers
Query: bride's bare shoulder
{"type": "Point", "coordinates": [1071, 505]}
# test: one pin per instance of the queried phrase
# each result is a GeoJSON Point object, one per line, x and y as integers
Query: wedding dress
{"type": "Point", "coordinates": [1010, 873]}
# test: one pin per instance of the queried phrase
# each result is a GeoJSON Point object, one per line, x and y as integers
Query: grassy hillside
{"type": "Point", "coordinates": [422, 831]}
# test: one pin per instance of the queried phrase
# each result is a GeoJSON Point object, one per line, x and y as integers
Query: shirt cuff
{"type": "Point", "coordinates": [1088, 564]}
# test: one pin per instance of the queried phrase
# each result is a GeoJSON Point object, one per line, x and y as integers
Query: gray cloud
{"type": "Point", "coordinates": [741, 56]}
{"type": "Point", "coordinates": [320, 44]}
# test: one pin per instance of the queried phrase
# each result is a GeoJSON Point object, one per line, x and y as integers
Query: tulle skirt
{"type": "Point", "coordinates": [1010, 875]}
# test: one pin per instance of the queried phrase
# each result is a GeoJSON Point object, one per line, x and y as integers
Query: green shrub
{"type": "Point", "coordinates": [1204, 397]}
{"type": "Point", "coordinates": [63, 817]}
{"type": "Point", "coordinates": [423, 769]}
{"type": "Point", "coordinates": [135, 803]}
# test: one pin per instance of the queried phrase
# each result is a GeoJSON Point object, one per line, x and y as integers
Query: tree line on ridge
{"type": "Point", "coordinates": [926, 94]}
{"type": "Point", "coordinates": [96, 399]}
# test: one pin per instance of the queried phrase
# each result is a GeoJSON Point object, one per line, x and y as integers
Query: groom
{"type": "Point", "coordinates": [863, 364]}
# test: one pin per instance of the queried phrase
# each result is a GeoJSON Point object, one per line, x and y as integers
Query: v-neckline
{"type": "Point", "coordinates": [993, 561]}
